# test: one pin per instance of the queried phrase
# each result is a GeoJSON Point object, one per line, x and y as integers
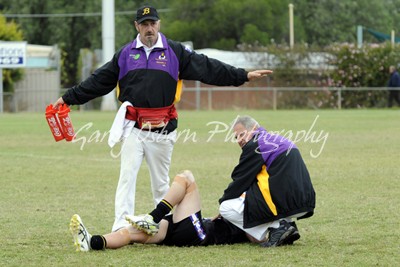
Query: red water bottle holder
{"type": "Point", "coordinates": [60, 123]}
{"type": "Point", "coordinates": [65, 122]}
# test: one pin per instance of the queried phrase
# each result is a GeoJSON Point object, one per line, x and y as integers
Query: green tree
{"type": "Point", "coordinates": [74, 35]}
{"type": "Point", "coordinates": [10, 31]}
{"type": "Point", "coordinates": [251, 35]}
{"type": "Point", "coordinates": [326, 22]}
{"type": "Point", "coordinates": [70, 33]}
{"type": "Point", "coordinates": [226, 23]}
{"type": "Point", "coordinates": [220, 24]}
{"type": "Point", "coordinates": [74, 31]}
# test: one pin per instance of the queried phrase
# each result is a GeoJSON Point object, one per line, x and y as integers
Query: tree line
{"type": "Point", "coordinates": [222, 24]}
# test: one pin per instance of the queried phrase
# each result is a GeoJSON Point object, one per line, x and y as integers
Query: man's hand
{"type": "Point", "coordinates": [256, 74]}
{"type": "Point", "coordinates": [59, 101]}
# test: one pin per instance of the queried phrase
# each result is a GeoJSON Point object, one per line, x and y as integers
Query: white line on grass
{"type": "Point", "coordinates": [8, 154]}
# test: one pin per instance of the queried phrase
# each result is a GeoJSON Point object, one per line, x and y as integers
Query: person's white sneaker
{"type": "Point", "coordinates": [79, 233]}
{"type": "Point", "coordinates": [143, 223]}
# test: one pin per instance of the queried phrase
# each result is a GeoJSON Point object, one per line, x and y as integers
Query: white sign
{"type": "Point", "coordinates": [12, 54]}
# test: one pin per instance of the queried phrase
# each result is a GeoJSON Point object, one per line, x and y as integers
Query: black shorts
{"type": "Point", "coordinates": [188, 232]}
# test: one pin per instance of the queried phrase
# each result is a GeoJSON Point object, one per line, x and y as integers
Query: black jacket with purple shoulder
{"type": "Point", "coordinates": [153, 82]}
{"type": "Point", "coordinates": [274, 176]}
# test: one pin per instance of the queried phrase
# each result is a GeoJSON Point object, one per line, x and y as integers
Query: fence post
{"type": "Point", "coordinates": [274, 93]}
{"type": "Point", "coordinates": [14, 102]}
{"type": "Point", "coordinates": [197, 95]}
{"type": "Point", "coordinates": [209, 98]}
{"type": "Point", "coordinates": [339, 101]}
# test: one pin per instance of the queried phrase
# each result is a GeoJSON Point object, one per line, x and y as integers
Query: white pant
{"type": "Point", "coordinates": [232, 210]}
{"type": "Point", "coordinates": [157, 150]}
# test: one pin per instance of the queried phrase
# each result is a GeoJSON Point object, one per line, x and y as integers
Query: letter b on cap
{"type": "Point", "coordinates": [146, 11]}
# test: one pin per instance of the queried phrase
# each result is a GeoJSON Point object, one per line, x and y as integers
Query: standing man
{"type": "Point", "coordinates": [394, 81]}
{"type": "Point", "coordinates": [271, 185]}
{"type": "Point", "coordinates": [148, 73]}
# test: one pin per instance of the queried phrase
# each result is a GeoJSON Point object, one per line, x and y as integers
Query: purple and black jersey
{"type": "Point", "coordinates": [272, 173]}
{"type": "Point", "coordinates": [153, 82]}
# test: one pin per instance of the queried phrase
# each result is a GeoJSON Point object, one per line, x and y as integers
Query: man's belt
{"type": "Point", "coordinates": [151, 118]}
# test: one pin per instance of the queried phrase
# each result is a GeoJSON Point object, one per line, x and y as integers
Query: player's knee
{"type": "Point", "coordinates": [186, 179]}
{"type": "Point", "coordinates": [189, 175]}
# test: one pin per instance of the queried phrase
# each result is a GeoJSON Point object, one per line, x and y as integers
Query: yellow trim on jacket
{"type": "Point", "coordinates": [178, 93]}
{"type": "Point", "coordinates": [263, 184]}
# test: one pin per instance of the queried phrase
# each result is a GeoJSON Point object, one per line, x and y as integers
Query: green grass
{"type": "Point", "coordinates": [356, 179]}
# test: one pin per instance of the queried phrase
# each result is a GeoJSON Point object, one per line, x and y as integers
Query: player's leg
{"type": "Point", "coordinates": [84, 241]}
{"type": "Point", "coordinates": [129, 235]}
{"type": "Point", "coordinates": [158, 153]}
{"type": "Point", "coordinates": [190, 201]}
{"type": "Point", "coordinates": [183, 194]}
{"type": "Point", "coordinates": [131, 159]}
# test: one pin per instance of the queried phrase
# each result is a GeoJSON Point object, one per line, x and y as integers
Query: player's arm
{"type": "Point", "coordinates": [194, 66]}
{"type": "Point", "coordinates": [100, 83]}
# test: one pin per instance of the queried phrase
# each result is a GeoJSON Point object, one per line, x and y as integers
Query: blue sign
{"type": "Point", "coordinates": [12, 54]}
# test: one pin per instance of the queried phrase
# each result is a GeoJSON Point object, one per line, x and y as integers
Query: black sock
{"type": "Point", "coordinates": [98, 242]}
{"type": "Point", "coordinates": [162, 209]}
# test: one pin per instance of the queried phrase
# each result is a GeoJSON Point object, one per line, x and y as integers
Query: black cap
{"type": "Point", "coordinates": [146, 12]}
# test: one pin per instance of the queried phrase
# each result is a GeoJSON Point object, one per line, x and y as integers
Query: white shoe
{"type": "Point", "coordinates": [143, 223]}
{"type": "Point", "coordinates": [79, 233]}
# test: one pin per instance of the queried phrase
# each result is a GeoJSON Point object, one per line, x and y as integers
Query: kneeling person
{"type": "Point", "coordinates": [270, 186]}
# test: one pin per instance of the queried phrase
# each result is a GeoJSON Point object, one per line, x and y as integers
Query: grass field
{"type": "Point", "coordinates": [356, 177]}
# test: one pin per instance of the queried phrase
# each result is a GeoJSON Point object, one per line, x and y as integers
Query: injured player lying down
{"type": "Point", "coordinates": [185, 227]}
